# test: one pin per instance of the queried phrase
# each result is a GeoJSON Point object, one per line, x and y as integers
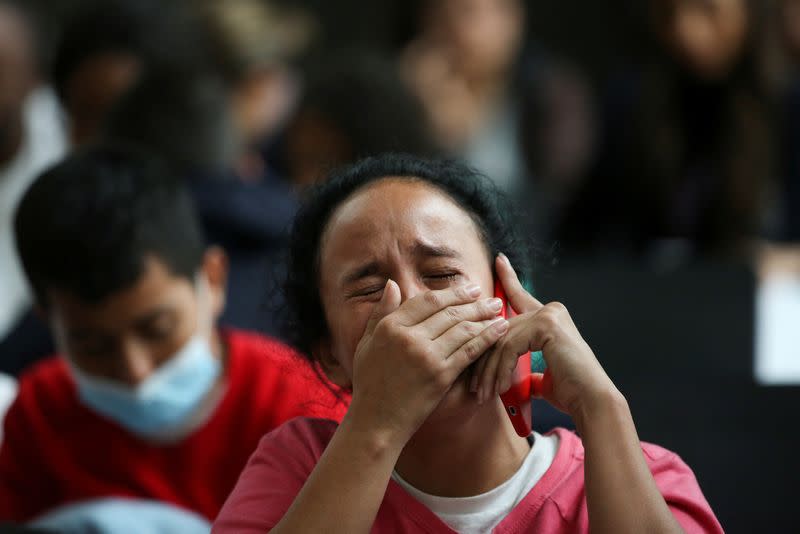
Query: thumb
{"type": "Point", "coordinates": [390, 301]}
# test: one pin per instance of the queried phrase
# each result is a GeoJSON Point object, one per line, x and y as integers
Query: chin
{"type": "Point", "coordinates": [457, 406]}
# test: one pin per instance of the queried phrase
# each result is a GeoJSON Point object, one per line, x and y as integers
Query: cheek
{"type": "Point", "coordinates": [346, 330]}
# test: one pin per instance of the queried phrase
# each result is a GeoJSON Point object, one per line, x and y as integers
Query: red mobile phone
{"type": "Point", "coordinates": [517, 400]}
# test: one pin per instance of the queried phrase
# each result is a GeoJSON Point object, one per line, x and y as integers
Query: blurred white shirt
{"type": "Point", "coordinates": [777, 358]}
{"type": "Point", "coordinates": [8, 392]}
{"type": "Point", "coordinates": [43, 144]}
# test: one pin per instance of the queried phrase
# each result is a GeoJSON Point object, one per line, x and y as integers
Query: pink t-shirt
{"type": "Point", "coordinates": [557, 503]}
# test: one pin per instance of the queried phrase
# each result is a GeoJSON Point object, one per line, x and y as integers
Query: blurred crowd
{"type": "Point", "coordinates": [689, 152]}
{"type": "Point", "coordinates": [686, 153]}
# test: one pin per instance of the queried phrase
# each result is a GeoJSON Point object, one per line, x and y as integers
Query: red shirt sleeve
{"type": "Point", "coordinates": [24, 487]}
{"type": "Point", "coordinates": [274, 476]}
{"type": "Point", "coordinates": [681, 491]}
{"type": "Point", "coordinates": [288, 384]}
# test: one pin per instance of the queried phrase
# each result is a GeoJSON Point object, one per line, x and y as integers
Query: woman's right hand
{"type": "Point", "coordinates": [411, 354]}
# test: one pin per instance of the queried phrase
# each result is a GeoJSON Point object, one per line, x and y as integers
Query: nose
{"type": "Point", "coordinates": [410, 286]}
{"type": "Point", "coordinates": [135, 363]}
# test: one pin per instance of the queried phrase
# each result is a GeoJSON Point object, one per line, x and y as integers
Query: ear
{"type": "Point", "coordinates": [215, 269]}
{"type": "Point", "coordinates": [322, 353]}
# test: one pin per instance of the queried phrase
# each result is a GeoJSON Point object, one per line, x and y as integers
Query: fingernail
{"type": "Point", "coordinates": [473, 290]}
{"type": "Point", "coordinates": [495, 305]}
{"type": "Point", "coordinates": [500, 325]}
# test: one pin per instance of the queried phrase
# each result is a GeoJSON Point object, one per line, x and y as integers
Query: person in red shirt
{"type": "Point", "coordinates": [148, 399]}
{"type": "Point", "coordinates": [392, 267]}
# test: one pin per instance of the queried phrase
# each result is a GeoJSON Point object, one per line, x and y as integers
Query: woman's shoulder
{"type": "Point", "coordinates": [658, 458]}
{"type": "Point", "coordinates": [675, 480]}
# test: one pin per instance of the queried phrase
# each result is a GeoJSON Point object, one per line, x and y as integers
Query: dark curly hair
{"type": "Point", "coordinates": [469, 189]}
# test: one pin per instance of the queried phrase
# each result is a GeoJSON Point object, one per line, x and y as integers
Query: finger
{"type": "Point", "coordinates": [475, 347]}
{"type": "Point", "coordinates": [497, 375]}
{"type": "Point", "coordinates": [486, 380]}
{"type": "Point", "coordinates": [542, 388]}
{"type": "Point", "coordinates": [455, 337]}
{"type": "Point", "coordinates": [528, 332]}
{"type": "Point", "coordinates": [422, 306]}
{"type": "Point", "coordinates": [520, 300]}
{"type": "Point", "coordinates": [477, 371]}
{"type": "Point", "coordinates": [390, 301]}
{"type": "Point", "coordinates": [439, 323]}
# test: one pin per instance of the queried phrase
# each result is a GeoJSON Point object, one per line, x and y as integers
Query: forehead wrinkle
{"type": "Point", "coordinates": [362, 218]}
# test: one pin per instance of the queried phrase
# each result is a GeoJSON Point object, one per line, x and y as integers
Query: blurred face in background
{"type": "Point", "coordinates": [94, 88]}
{"type": "Point", "coordinates": [707, 36]}
{"type": "Point", "coordinates": [483, 36]}
{"type": "Point", "coordinates": [17, 72]}
{"type": "Point", "coordinates": [129, 334]}
{"type": "Point", "coordinates": [262, 101]}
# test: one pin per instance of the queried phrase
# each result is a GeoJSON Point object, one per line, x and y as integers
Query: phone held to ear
{"type": "Point", "coordinates": [524, 385]}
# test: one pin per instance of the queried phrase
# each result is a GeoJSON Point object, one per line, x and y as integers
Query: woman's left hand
{"type": "Point", "coordinates": [576, 377]}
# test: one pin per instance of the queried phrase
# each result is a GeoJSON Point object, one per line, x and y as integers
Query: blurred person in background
{"type": "Point", "coordinates": [686, 166]}
{"type": "Point", "coordinates": [557, 136]}
{"type": "Point", "coordinates": [150, 411]}
{"type": "Point", "coordinates": [510, 109]}
{"type": "Point", "coordinates": [354, 104]}
{"type": "Point", "coordinates": [462, 65]}
{"type": "Point", "coordinates": [187, 121]}
{"type": "Point", "coordinates": [31, 138]}
{"type": "Point", "coordinates": [105, 48]}
{"type": "Point", "coordinates": [250, 44]}
{"type": "Point", "coordinates": [787, 21]}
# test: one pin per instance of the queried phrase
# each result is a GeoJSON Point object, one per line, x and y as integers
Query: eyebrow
{"type": "Point", "coordinates": [419, 249]}
{"type": "Point", "coordinates": [440, 251]}
{"type": "Point", "coordinates": [370, 269]}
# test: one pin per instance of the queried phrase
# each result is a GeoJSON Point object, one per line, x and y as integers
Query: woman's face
{"type": "Point", "coordinates": [410, 232]}
{"type": "Point", "coordinates": [706, 35]}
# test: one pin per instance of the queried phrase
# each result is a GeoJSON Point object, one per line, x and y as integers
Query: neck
{"type": "Point", "coordinates": [465, 458]}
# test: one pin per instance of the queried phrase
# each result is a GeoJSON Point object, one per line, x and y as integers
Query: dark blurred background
{"type": "Point", "coordinates": [651, 148]}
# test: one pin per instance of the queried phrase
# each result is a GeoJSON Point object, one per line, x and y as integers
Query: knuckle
{"type": "Point", "coordinates": [427, 353]}
{"type": "Point", "coordinates": [470, 329]}
{"type": "Point", "coordinates": [385, 326]}
{"type": "Point", "coordinates": [557, 307]}
{"type": "Point", "coordinates": [485, 308]}
{"type": "Point", "coordinates": [471, 350]}
{"type": "Point", "coordinates": [432, 298]}
{"type": "Point", "coordinates": [453, 314]}
{"type": "Point", "coordinates": [404, 339]}
{"type": "Point", "coordinates": [441, 380]}
{"type": "Point", "coordinates": [548, 318]}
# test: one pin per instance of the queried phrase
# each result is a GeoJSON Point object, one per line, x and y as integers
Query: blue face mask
{"type": "Point", "coordinates": [164, 401]}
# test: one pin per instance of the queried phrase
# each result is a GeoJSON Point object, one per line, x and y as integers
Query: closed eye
{"type": "Point", "coordinates": [441, 280]}
{"type": "Point", "coordinates": [444, 276]}
{"type": "Point", "coordinates": [369, 291]}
